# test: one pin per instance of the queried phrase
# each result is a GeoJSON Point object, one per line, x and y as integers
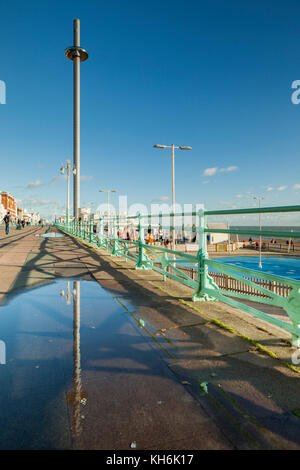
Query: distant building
{"type": "Point", "coordinates": [20, 213]}
{"type": "Point", "coordinates": [2, 212]}
{"type": "Point", "coordinates": [213, 238]}
{"type": "Point", "coordinates": [9, 203]}
{"type": "Point", "coordinates": [31, 217]}
{"type": "Point", "coordinates": [35, 218]}
{"type": "Point", "coordinates": [84, 213]}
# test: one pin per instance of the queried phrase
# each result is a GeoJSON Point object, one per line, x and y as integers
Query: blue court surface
{"type": "Point", "coordinates": [278, 265]}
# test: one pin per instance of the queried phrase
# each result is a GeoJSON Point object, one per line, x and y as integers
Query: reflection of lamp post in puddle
{"type": "Point", "coordinates": [68, 295]}
{"type": "Point", "coordinates": [76, 396]}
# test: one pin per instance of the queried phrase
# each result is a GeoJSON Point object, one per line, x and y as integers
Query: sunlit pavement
{"type": "Point", "coordinates": [101, 356]}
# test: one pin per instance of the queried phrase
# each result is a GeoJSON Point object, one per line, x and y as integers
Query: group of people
{"type": "Point", "coordinates": [273, 241]}
{"type": "Point", "coordinates": [7, 220]}
{"type": "Point", "coordinates": [21, 223]}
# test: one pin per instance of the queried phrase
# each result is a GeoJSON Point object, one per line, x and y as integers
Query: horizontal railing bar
{"type": "Point", "coordinates": [262, 233]}
{"type": "Point", "coordinates": [167, 250]}
{"type": "Point", "coordinates": [255, 210]}
{"type": "Point", "coordinates": [171, 214]}
{"type": "Point", "coordinates": [257, 313]}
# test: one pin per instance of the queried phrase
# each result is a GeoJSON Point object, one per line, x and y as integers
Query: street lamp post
{"type": "Point", "coordinates": [77, 55]}
{"type": "Point", "coordinates": [55, 205]}
{"type": "Point", "coordinates": [107, 191]}
{"type": "Point", "coordinates": [259, 221]}
{"type": "Point", "coordinates": [68, 167]}
{"type": "Point", "coordinates": [173, 147]}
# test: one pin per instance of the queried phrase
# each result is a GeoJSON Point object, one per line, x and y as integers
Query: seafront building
{"type": "Point", "coordinates": [9, 203]}
{"type": "Point", "coordinates": [2, 212]}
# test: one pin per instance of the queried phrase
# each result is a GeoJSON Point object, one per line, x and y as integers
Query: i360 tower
{"type": "Point", "coordinates": [77, 55]}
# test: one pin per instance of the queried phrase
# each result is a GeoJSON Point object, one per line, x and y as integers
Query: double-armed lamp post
{"type": "Point", "coordinates": [173, 147]}
{"type": "Point", "coordinates": [107, 191]}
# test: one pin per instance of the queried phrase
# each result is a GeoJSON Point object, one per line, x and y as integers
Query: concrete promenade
{"type": "Point", "coordinates": [186, 376]}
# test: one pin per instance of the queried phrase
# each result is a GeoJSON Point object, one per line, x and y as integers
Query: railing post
{"type": "Point", "coordinates": [293, 309]}
{"type": "Point", "coordinates": [164, 265]}
{"type": "Point", "coordinates": [204, 280]}
{"type": "Point", "coordinates": [115, 247]}
{"type": "Point", "coordinates": [84, 229]}
{"type": "Point", "coordinates": [144, 261]}
{"type": "Point", "coordinates": [91, 230]}
{"type": "Point", "coordinates": [100, 235]}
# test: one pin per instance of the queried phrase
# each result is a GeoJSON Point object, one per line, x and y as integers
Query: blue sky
{"type": "Point", "coordinates": [215, 75]}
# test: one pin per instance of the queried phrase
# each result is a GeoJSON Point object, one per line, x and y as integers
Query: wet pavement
{"type": "Point", "coordinates": [97, 355]}
{"type": "Point", "coordinates": [78, 373]}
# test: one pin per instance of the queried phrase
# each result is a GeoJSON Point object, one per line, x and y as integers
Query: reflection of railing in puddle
{"type": "Point", "coordinates": [76, 396]}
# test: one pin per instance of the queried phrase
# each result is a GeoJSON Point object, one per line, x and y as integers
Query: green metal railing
{"type": "Point", "coordinates": [168, 262]}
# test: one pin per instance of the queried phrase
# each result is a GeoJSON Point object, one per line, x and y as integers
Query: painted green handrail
{"type": "Point", "coordinates": [168, 262]}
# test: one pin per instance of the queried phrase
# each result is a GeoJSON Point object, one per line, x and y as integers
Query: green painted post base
{"type": "Point", "coordinates": [164, 264]}
{"type": "Point", "coordinates": [117, 249]}
{"type": "Point", "coordinates": [202, 297]}
{"type": "Point", "coordinates": [205, 282]}
{"type": "Point", "coordinates": [143, 265]}
{"type": "Point", "coordinates": [296, 339]}
{"type": "Point", "coordinates": [144, 262]}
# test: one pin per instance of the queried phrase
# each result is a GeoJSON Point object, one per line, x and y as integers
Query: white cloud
{"type": "Point", "coordinates": [86, 178]}
{"type": "Point", "coordinates": [225, 203]}
{"type": "Point", "coordinates": [270, 188]}
{"type": "Point", "coordinates": [212, 171]}
{"type": "Point", "coordinates": [229, 168]}
{"type": "Point", "coordinates": [161, 198]}
{"type": "Point", "coordinates": [296, 186]}
{"type": "Point", "coordinates": [281, 188]}
{"type": "Point", "coordinates": [35, 184]}
{"type": "Point", "coordinates": [36, 202]}
{"type": "Point", "coordinates": [239, 196]}
{"type": "Point", "coordinates": [57, 178]}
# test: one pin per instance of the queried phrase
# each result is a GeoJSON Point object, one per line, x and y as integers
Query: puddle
{"type": "Point", "coordinates": [51, 235]}
{"type": "Point", "coordinates": [57, 342]}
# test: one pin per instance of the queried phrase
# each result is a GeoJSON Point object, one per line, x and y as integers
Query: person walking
{"type": "Point", "coordinates": [7, 221]}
